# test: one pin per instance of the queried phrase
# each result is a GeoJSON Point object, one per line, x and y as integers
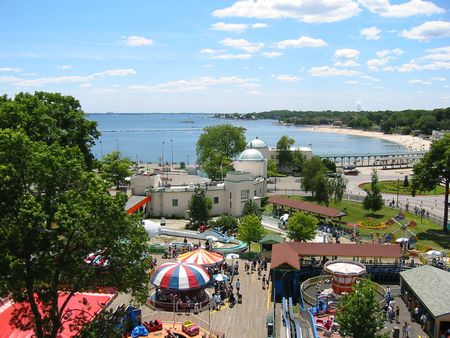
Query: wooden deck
{"type": "Point", "coordinates": [243, 320]}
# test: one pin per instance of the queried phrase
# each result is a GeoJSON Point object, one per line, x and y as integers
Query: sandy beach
{"type": "Point", "coordinates": [412, 143]}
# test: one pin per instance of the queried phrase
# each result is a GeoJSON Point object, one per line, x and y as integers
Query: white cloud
{"type": "Point", "coordinates": [208, 66]}
{"type": "Point", "coordinates": [229, 27]}
{"type": "Point", "coordinates": [403, 10]}
{"type": "Point", "coordinates": [307, 10]}
{"type": "Point", "coordinates": [301, 42]}
{"type": "Point", "coordinates": [384, 56]}
{"type": "Point", "coordinates": [236, 27]}
{"type": "Point", "coordinates": [370, 78]}
{"type": "Point", "coordinates": [428, 30]}
{"type": "Point", "coordinates": [326, 71]}
{"type": "Point", "coordinates": [272, 54]}
{"type": "Point", "coordinates": [37, 82]}
{"type": "Point", "coordinates": [259, 25]}
{"type": "Point", "coordinates": [232, 56]}
{"type": "Point", "coordinates": [65, 67]}
{"type": "Point", "coordinates": [249, 47]}
{"type": "Point", "coordinates": [211, 51]}
{"type": "Point", "coordinates": [418, 81]}
{"type": "Point", "coordinates": [434, 59]}
{"type": "Point", "coordinates": [86, 85]}
{"type": "Point", "coordinates": [438, 79]}
{"type": "Point", "coordinates": [346, 53]}
{"type": "Point", "coordinates": [352, 82]}
{"type": "Point", "coordinates": [137, 41]}
{"type": "Point", "coordinates": [371, 33]}
{"type": "Point", "coordinates": [10, 69]}
{"type": "Point", "coordinates": [286, 78]}
{"type": "Point", "coordinates": [199, 83]}
{"type": "Point", "coordinates": [346, 63]}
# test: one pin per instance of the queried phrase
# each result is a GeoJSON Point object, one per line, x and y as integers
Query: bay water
{"type": "Point", "coordinates": [150, 137]}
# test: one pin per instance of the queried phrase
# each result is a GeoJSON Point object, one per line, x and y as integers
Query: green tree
{"type": "Point", "coordinates": [406, 181]}
{"type": "Point", "coordinates": [60, 212]}
{"type": "Point", "coordinates": [301, 227]}
{"type": "Point", "coordinates": [329, 164]}
{"type": "Point", "coordinates": [114, 168]}
{"type": "Point", "coordinates": [338, 185]}
{"type": "Point", "coordinates": [272, 168]}
{"type": "Point", "coordinates": [373, 200]}
{"type": "Point", "coordinates": [434, 169]}
{"type": "Point", "coordinates": [199, 207]}
{"type": "Point", "coordinates": [323, 190]}
{"type": "Point", "coordinates": [359, 313]}
{"type": "Point", "coordinates": [284, 145]}
{"type": "Point", "coordinates": [50, 118]}
{"type": "Point", "coordinates": [298, 159]}
{"type": "Point", "coordinates": [250, 229]}
{"type": "Point", "coordinates": [250, 208]}
{"type": "Point", "coordinates": [216, 148]}
{"type": "Point", "coordinates": [225, 222]}
{"type": "Point", "coordinates": [313, 171]}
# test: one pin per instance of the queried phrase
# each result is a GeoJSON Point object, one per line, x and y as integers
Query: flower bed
{"type": "Point", "coordinates": [373, 224]}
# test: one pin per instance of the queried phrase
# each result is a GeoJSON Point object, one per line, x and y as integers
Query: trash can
{"type": "Point", "coordinates": [396, 332]}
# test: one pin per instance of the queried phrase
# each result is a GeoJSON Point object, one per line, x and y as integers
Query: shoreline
{"type": "Point", "coordinates": [411, 143]}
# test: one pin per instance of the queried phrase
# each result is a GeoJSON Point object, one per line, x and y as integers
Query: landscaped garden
{"type": "Point", "coordinates": [392, 187]}
{"type": "Point", "coordinates": [428, 234]}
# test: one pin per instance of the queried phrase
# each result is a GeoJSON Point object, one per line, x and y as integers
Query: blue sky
{"type": "Point", "coordinates": [229, 56]}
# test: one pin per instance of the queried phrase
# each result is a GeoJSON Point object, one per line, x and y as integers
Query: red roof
{"type": "Point", "coordinates": [306, 206]}
{"type": "Point", "coordinates": [290, 252]}
{"type": "Point", "coordinates": [87, 304]}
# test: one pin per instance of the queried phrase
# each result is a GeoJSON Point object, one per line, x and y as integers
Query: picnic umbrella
{"type": "Point", "coordinates": [201, 257]}
{"type": "Point", "coordinates": [220, 277]}
{"type": "Point", "coordinates": [402, 239]}
{"type": "Point", "coordinates": [180, 276]}
{"type": "Point", "coordinates": [435, 253]}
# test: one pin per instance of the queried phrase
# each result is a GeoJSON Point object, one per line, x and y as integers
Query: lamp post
{"type": "Point", "coordinates": [101, 149]}
{"type": "Point", "coordinates": [171, 163]}
{"type": "Point", "coordinates": [398, 187]}
{"type": "Point", "coordinates": [162, 154]}
{"type": "Point", "coordinates": [188, 161]}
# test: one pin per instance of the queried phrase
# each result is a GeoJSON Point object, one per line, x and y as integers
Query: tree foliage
{"type": "Point", "coordinates": [359, 313]}
{"type": "Point", "coordinates": [250, 208]}
{"type": "Point", "coordinates": [313, 171]}
{"type": "Point", "coordinates": [272, 170]}
{"type": "Point", "coordinates": [225, 222]}
{"type": "Point", "coordinates": [301, 227]}
{"type": "Point", "coordinates": [216, 148]}
{"type": "Point", "coordinates": [373, 200]}
{"type": "Point", "coordinates": [250, 229]}
{"type": "Point", "coordinates": [434, 169]}
{"type": "Point", "coordinates": [284, 145]}
{"type": "Point", "coordinates": [199, 208]}
{"type": "Point", "coordinates": [338, 185]}
{"type": "Point", "coordinates": [54, 212]}
{"type": "Point", "coordinates": [114, 168]}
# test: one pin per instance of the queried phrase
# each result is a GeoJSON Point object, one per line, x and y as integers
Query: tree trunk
{"type": "Point", "coordinates": [447, 183]}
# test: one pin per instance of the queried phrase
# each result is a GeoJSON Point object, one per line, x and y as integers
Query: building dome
{"type": "Point", "coordinates": [257, 144]}
{"type": "Point", "coordinates": [251, 155]}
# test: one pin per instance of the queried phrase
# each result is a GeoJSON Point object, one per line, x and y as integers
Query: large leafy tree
{"type": "Point", "coordinates": [250, 208]}
{"type": "Point", "coordinates": [199, 208]}
{"type": "Point", "coordinates": [225, 222]}
{"type": "Point", "coordinates": [217, 146]}
{"type": "Point", "coordinates": [373, 200]}
{"type": "Point", "coordinates": [359, 313]}
{"type": "Point", "coordinates": [53, 213]}
{"type": "Point", "coordinates": [434, 169]}
{"type": "Point", "coordinates": [313, 171]}
{"type": "Point", "coordinates": [115, 168]}
{"type": "Point", "coordinates": [50, 118]}
{"type": "Point", "coordinates": [250, 229]}
{"type": "Point", "coordinates": [302, 227]}
{"type": "Point", "coordinates": [284, 145]}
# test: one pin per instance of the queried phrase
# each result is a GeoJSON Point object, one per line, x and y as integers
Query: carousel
{"type": "Point", "coordinates": [180, 285]}
{"type": "Point", "coordinates": [208, 259]}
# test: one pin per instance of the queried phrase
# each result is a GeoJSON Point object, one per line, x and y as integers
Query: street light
{"type": "Point", "coordinates": [171, 142]}
{"type": "Point", "coordinates": [162, 154]}
{"type": "Point", "coordinates": [398, 187]}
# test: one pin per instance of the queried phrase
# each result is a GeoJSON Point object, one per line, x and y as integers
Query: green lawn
{"type": "Point", "coordinates": [390, 187]}
{"type": "Point", "coordinates": [428, 233]}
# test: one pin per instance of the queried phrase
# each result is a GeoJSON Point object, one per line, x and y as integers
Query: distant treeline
{"type": "Point", "coordinates": [404, 122]}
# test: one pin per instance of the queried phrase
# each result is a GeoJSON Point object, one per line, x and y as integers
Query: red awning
{"type": "Point", "coordinates": [306, 206]}
{"type": "Point", "coordinates": [136, 205]}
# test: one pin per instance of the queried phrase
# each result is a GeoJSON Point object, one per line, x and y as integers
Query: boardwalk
{"type": "Point", "coordinates": [244, 320]}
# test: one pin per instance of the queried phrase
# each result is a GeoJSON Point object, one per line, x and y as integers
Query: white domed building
{"type": "Point", "coordinates": [260, 145]}
{"type": "Point", "coordinates": [252, 161]}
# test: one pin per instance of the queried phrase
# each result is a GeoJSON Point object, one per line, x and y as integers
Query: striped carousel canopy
{"type": "Point", "coordinates": [180, 276]}
{"type": "Point", "coordinates": [201, 257]}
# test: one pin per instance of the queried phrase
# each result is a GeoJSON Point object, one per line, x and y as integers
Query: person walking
{"type": "Point", "coordinates": [264, 282]}
{"type": "Point", "coordinates": [238, 286]}
{"type": "Point", "coordinates": [404, 333]}
{"type": "Point", "coordinates": [397, 313]}
{"type": "Point", "coordinates": [408, 330]}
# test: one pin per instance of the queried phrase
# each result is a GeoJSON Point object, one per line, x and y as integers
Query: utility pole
{"type": "Point", "coordinates": [171, 166]}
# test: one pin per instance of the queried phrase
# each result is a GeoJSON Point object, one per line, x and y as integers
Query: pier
{"type": "Point", "coordinates": [386, 160]}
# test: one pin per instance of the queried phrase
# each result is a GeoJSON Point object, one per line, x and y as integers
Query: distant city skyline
{"type": "Point", "coordinates": [229, 56]}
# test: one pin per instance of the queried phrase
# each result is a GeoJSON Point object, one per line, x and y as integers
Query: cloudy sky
{"type": "Point", "coordinates": [228, 55]}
